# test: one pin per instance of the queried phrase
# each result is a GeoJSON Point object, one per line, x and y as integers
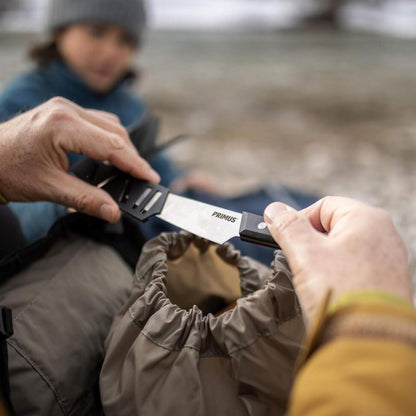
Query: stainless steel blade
{"type": "Point", "coordinates": [207, 221]}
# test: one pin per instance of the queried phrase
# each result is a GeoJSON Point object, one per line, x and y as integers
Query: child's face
{"type": "Point", "coordinates": [99, 53]}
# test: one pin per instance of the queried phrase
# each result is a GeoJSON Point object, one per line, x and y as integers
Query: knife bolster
{"type": "Point", "coordinates": [254, 230]}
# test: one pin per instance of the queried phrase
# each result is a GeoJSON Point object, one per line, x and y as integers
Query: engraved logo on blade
{"type": "Point", "coordinates": [225, 217]}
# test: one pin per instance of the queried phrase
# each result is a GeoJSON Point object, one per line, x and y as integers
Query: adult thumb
{"type": "Point", "coordinates": [291, 230]}
{"type": "Point", "coordinates": [75, 193]}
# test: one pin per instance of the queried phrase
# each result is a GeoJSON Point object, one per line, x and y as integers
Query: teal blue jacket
{"type": "Point", "coordinates": [39, 85]}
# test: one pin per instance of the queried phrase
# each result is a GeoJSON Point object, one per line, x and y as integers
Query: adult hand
{"type": "Point", "coordinates": [34, 165]}
{"type": "Point", "coordinates": [340, 244]}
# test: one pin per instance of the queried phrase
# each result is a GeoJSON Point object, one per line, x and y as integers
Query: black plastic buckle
{"type": "Point", "coordinates": [140, 199]}
{"type": "Point", "coordinates": [6, 322]}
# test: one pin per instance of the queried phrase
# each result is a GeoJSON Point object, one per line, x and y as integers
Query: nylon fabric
{"type": "Point", "coordinates": [63, 306]}
{"type": "Point", "coordinates": [165, 356]}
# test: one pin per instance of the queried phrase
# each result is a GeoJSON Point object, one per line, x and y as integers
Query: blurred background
{"type": "Point", "coordinates": [319, 95]}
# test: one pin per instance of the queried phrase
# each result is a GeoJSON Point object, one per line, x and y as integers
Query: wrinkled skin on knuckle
{"type": "Point", "coordinates": [82, 203]}
{"type": "Point", "coordinates": [284, 222]}
{"type": "Point", "coordinates": [53, 151]}
{"type": "Point", "coordinates": [114, 117]}
{"type": "Point", "coordinates": [59, 101]}
{"type": "Point", "coordinates": [57, 115]}
{"type": "Point", "coordinates": [116, 142]}
{"type": "Point", "coordinates": [110, 116]}
{"type": "Point", "coordinates": [53, 126]}
{"type": "Point", "coordinates": [58, 110]}
{"type": "Point", "coordinates": [122, 133]}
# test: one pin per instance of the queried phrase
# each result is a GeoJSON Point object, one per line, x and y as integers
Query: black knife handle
{"type": "Point", "coordinates": [254, 230]}
{"type": "Point", "coordinates": [140, 199]}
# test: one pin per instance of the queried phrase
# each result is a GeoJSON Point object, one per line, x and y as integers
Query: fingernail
{"type": "Point", "coordinates": [273, 211]}
{"type": "Point", "coordinates": [106, 212]}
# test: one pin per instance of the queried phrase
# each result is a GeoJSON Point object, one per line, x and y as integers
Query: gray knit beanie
{"type": "Point", "coordinates": [128, 14]}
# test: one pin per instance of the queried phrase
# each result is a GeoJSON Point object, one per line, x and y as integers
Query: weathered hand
{"type": "Point", "coordinates": [341, 244]}
{"type": "Point", "coordinates": [34, 165]}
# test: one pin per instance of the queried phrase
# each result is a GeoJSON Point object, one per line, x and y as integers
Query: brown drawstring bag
{"type": "Point", "coordinates": [175, 349]}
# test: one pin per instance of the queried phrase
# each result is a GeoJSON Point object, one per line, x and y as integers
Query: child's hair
{"type": "Point", "coordinates": [42, 54]}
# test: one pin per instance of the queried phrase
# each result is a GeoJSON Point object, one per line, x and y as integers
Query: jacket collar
{"type": "Point", "coordinates": [68, 84]}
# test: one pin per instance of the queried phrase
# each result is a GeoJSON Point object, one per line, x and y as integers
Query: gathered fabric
{"type": "Point", "coordinates": [206, 332]}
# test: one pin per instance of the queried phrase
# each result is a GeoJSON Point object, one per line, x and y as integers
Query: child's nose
{"type": "Point", "coordinates": [110, 48]}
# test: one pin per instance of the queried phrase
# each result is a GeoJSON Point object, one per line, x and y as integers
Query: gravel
{"type": "Point", "coordinates": [325, 112]}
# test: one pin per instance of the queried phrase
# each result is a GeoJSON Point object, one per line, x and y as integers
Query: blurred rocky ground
{"type": "Point", "coordinates": [330, 113]}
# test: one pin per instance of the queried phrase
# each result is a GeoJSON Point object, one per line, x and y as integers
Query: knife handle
{"type": "Point", "coordinates": [138, 198]}
{"type": "Point", "coordinates": [254, 230]}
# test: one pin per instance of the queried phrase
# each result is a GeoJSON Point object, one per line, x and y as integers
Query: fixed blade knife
{"type": "Point", "coordinates": [143, 200]}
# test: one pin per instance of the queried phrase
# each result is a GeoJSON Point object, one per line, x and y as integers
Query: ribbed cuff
{"type": "Point", "coordinates": [361, 315]}
{"type": "Point", "coordinates": [368, 297]}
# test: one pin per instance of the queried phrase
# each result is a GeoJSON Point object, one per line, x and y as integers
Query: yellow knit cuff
{"type": "Point", "coordinates": [365, 313]}
{"type": "Point", "coordinates": [368, 297]}
{"type": "Point", "coordinates": [3, 200]}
